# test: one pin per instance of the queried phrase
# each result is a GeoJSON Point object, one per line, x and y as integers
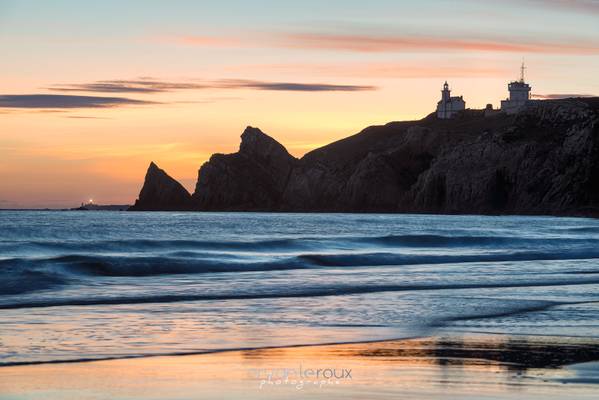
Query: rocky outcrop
{"type": "Point", "coordinates": [160, 192]}
{"type": "Point", "coordinates": [252, 179]}
{"type": "Point", "coordinates": [543, 160]}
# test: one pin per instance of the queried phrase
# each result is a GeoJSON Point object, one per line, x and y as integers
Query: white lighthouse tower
{"type": "Point", "coordinates": [449, 106]}
{"type": "Point", "coordinates": [519, 94]}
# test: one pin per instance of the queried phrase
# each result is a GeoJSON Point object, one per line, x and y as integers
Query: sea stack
{"type": "Point", "coordinates": [160, 192]}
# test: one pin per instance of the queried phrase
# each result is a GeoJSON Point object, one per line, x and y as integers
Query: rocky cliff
{"type": "Point", "coordinates": [543, 160]}
{"type": "Point", "coordinates": [254, 178]}
{"type": "Point", "coordinates": [160, 192]}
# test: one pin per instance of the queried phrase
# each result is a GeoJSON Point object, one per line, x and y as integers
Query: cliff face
{"type": "Point", "coordinates": [160, 192]}
{"type": "Point", "coordinates": [544, 160]}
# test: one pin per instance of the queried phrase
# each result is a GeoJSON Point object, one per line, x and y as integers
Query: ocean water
{"type": "Point", "coordinates": [98, 285]}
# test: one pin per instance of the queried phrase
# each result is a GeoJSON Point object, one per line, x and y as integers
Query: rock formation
{"type": "Point", "coordinates": [254, 178]}
{"type": "Point", "coordinates": [543, 160]}
{"type": "Point", "coordinates": [160, 192]}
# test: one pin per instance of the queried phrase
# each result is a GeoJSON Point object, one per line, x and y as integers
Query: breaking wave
{"type": "Point", "coordinates": [20, 275]}
{"type": "Point", "coordinates": [291, 244]}
{"type": "Point", "coordinates": [287, 292]}
{"type": "Point", "coordinates": [43, 265]}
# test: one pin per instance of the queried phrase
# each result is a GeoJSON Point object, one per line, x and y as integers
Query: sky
{"type": "Point", "coordinates": [91, 92]}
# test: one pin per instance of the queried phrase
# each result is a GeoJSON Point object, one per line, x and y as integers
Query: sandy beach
{"type": "Point", "coordinates": [467, 367]}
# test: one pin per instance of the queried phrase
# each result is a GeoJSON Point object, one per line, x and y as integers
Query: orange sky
{"type": "Point", "coordinates": [175, 84]}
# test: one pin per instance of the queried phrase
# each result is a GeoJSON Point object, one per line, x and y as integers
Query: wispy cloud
{"type": "Point", "coordinates": [127, 86]}
{"type": "Point", "coordinates": [560, 96]}
{"type": "Point", "coordinates": [155, 86]}
{"type": "Point", "coordinates": [56, 101]}
{"type": "Point", "coordinates": [404, 43]}
{"type": "Point", "coordinates": [291, 86]}
{"type": "Point", "coordinates": [399, 43]}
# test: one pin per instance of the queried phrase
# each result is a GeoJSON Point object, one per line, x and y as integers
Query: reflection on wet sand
{"type": "Point", "coordinates": [513, 352]}
{"type": "Point", "coordinates": [477, 367]}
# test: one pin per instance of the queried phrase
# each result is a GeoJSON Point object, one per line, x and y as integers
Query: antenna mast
{"type": "Point", "coordinates": [522, 69]}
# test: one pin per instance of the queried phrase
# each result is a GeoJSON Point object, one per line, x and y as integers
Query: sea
{"type": "Point", "coordinates": [106, 285]}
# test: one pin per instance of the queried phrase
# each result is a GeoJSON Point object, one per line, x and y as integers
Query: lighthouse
{"type": "Point", "coordinates": [449, 106]}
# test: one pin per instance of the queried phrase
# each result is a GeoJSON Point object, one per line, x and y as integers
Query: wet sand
{"type": "Point", "coordinates": [464, 367]}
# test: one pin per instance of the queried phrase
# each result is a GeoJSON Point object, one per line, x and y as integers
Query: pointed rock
{"type": "Point", "coordinates": [255, 143]}
{"type": "Point", "coordinates": [161, 192]}
{"type": "Point", "coordinates": [254, 178]}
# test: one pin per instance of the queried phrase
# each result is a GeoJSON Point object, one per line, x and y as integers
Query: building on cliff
{"type": "Point", "coordinates": [519, 94]}
{"type": "Point", "coordinates": [449, 106]}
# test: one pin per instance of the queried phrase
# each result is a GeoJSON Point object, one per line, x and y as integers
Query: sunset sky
{"type": "Point", "coordinates": [91, 92]}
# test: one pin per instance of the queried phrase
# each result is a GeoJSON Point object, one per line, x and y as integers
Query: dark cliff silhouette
{"type": "Point", "coordinates": [254, 178]}
{"type": "Point", "coordinates": [543, 160]}
{"type": "Point", "coordinates": [160, 192]}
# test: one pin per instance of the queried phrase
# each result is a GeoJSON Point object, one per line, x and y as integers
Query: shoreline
{"type": "Point", "coordinates": [201, 352]}
{"type": "Point", "coordinates": [452, 339]}
{"type": "Point", "coordinates": [472, 365]}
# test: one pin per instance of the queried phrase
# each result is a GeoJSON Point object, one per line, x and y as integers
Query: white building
{"type": "Point", "coordinates": [449, 106]}
{"type": "Point", "coordinates": [519, 95]}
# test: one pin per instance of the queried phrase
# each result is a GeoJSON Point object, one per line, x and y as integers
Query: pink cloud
{"type": "Point", "coordinates": [410, 43]}
{"type": "Point", "coordinates": [370, 43]}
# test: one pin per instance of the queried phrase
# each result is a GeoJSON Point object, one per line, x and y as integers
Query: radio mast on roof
{"type": "Point", "coordinates": [519, 94]}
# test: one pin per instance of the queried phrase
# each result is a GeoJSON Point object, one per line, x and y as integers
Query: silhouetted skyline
{"type": "Point", "coordinates": [92, 91]}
